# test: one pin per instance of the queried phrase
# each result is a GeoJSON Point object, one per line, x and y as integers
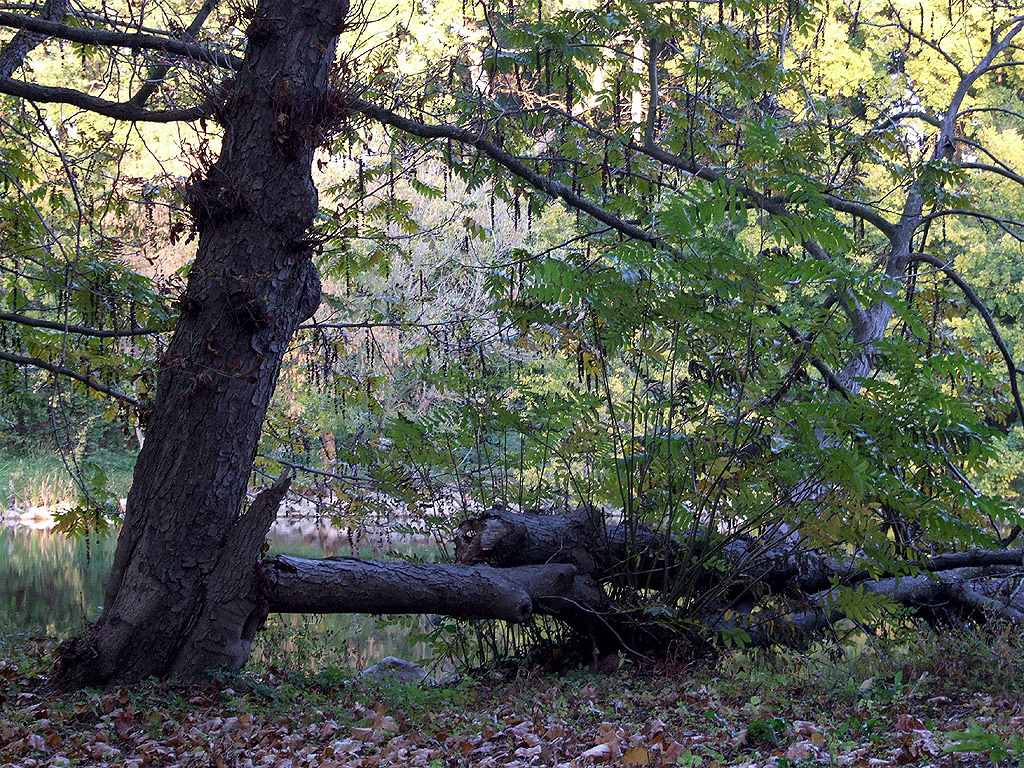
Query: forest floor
{"type": "Point", "coordinates": [929, 700]}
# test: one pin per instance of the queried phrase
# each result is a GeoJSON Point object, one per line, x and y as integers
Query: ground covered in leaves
{"type": "Point", "coordinates": [942, 701]}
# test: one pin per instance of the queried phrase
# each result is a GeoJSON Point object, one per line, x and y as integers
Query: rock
{"type": "Point", "coordinates": [396, 669]}
{"type": "Point", "coordinates": [447, 680]}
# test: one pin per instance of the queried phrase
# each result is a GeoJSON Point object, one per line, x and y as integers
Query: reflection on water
{"type": "Point", "coordinates": [51, 584]}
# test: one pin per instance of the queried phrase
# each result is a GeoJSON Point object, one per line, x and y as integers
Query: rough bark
{"type": "Point", "coordinates": [503, 538]}
{"type": "Point", "coordinates": [168, 604]}
{"type": "Point", "coordinates": [647, 558]}
{"type": "Point", "coordinates": [13, 54]}
{"type": "Point", "coordinates": [351, 585]}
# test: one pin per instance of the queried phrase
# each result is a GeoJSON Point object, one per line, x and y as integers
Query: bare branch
{"type": "Point", "coordinates": [1004, 172]}
{"type": "Point", "coordinates": [313, 470]}
{"type": "Point", "coordinates": [117, 110]}
{"type": "Point", "coordinates": [820, 365]}
{"type": "Point", "coordinates": [996, 110]}
{"type": "Point", "coordinates": [985, 151]}
{"type": "Point", "coordinates": [888, 120]}
{"type": "Point", "coordinates": [947, 136]}
{"type": "Point", "coordinates": [925, 41]}
{"type": "Point", "coordinates": [1003, 224]}
{"type": "Point", "coordinates": [861, 211]}
{"type": "Point", "coordinates": [773, 205]}
{"type": "Point", "coordinates": [130, 40]}
{"type": "Point", "coordinates": [366, 324]}
{"type": "Point", "coordinates": [80, 330]}
{"type": "Point", "coordinates": [80, 378]}
{"type": "Point", "coordinates": [13, 54]}
{"type": "Point", "coordinates": [515, 165]}
{"type": "Point", "coordinates": [979, 305]}
{"type": "Point", "coordinates": [1016, 20]}
{"type": "Point", "coordinates": [156, 74]}
{"type": "Point", "coordinates": [974, 558]}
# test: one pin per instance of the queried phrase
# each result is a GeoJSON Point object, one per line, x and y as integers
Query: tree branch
{"type": "Point", "coordinates": [132, 40]}
{"type": "Point", "coordinates": [156, 74]}
{"type": "Point", "coordinates": [771, 205]}
{"type": "Point", "coordinates": [515, 165]}
{"type": "Point", "coordinates": [81, 378]}
{"type": "Point", "coordinates": [926, 592]}
{"type": "Point", "coordinates": [13, 54]}
{"type": "Point", "coordinates": [927, 42]}
{"type": "Point", "coordinates": [118, 110]}
{"type": "Point", "coordinates": [979, 305]}
{"type": "Point", "coordinates": [947, 135]}
{"type": "Point", "coordinates": [34, 322]}
{"type": "Point", "coordinates": [1005, 172]}
{"type": "Point", "coordinates": [973, 558]}
{"type": "Point", "coordinates": [1003, 224]}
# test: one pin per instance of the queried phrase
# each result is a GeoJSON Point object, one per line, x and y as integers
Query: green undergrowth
{"type": "Point", "coordinates": [921, 662]}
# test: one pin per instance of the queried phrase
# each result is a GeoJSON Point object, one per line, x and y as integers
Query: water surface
{"type": "Point", "coordinates": [52, 584]}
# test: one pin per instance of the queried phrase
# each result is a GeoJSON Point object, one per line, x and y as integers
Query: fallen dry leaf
{"type": "Point", "coordinates": [636, 756]}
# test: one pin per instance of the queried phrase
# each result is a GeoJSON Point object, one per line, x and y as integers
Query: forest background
{"type": "Point", "coordinates": [742, 276]}
{"type": "Point", "coordinates": [786, 249]}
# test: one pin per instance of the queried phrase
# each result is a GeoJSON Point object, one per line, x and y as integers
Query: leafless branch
{"type": "Point", "coordinates": [35, 322]}
{"type": "Point", "coordinates": [13, 54]}
{"type": "Point", "coordinates": [132, 40]}
{"type": "Point", "coordinates": [773, 205]}
{"type": "Point", "coordinates": [1004, 172]}
{"type": "Point", "coordinates": [365, 324]}
{"type": "Point", "coordinates": [505, 159]}
{"type": "Point", "coordinates": [117, 110]}
{"type": "Point", "coordinates": [156, 74]}
{"type": "Point", "coordinates": [820, 365]}
{"type": "Point", "coordinates": [927, 42]}
{"type": "Point", "coordinates": [979, 305]}
{"type": "Point", "coordinates": [1003, 223]}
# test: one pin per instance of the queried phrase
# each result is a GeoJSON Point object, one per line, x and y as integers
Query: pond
{"type": "Point", "coordinates": [52, 584]}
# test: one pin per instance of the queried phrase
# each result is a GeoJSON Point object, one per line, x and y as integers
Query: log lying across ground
{"type": "Point", "coordinates": [351, 585]}
{"type": "Point", "coordinates": [516, 565]}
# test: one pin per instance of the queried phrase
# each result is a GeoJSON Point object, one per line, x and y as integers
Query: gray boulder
{"type": "Point", "coordinates": [396, 669]}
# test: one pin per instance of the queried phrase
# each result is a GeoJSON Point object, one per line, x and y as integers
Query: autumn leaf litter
{"type": "Point", "coordinates": [578, 719]}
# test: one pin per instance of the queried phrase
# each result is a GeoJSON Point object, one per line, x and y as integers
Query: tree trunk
{"type": "Point", "coordinates": [182, 594]}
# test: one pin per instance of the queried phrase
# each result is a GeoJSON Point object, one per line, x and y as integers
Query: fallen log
{"type": "Point", "coordinates": [648, 558]}
{"type": "Point", "coordinates": [583, 538]}
{"type": "Point", "coordinates": [744, 573]}
{"type": "Point", "coordinates": [512, 566]}
{"type": "Point", "coordinates": [351, 585]}
{"type": "Point", "coordinates": [971, 592]}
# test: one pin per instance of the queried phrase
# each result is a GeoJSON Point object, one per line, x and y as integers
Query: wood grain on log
{"type": "Point", "coordinates": [351, 585]}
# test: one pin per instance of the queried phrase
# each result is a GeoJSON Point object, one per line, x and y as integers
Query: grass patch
{"type": "Point", "coordinates": [34, 479]}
